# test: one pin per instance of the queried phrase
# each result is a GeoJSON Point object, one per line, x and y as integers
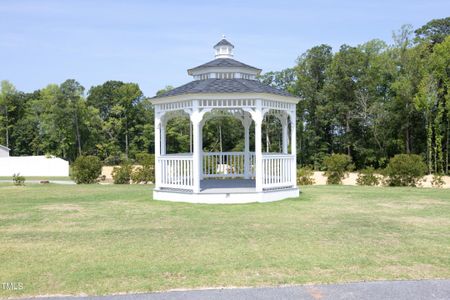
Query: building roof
{"type": "Point", "coordinates": [236, 85]}
{"type": "Point", "coordinates": [223, 42]}
{"type": "Point", "coordinates": [4, 147]}
{"type": "Point", "coordinates": [223, 62]}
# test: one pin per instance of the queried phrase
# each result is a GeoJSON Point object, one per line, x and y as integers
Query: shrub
{"type": "Point", "coordinates": [367, 177]}
{"type": "Point", "coordinates": [122, 174]}
{"type": "Point", "coordinates": [86, 169]}
{"type": "Point", "coordinates": [145, 173]}
{"type": "Point", "coordinates": [145, 159]}
{"type": "Point", "coordinates": [112, 160]}
{"type": "Point", "coordinates": [305, 176]}
{"type": "Point", "coordinates": [18, 179]}
{"type": "Point", "coordinates": [337, 166]}
{"type": "Point", "coordinates": [405, 170]}
{"type": "Point", "coordinates": [437, 181]}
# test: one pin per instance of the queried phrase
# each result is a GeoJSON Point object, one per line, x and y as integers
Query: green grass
{"type": "Point", "coordinates": [65, 178]}
{"type": "Point", "coordinates": [107, 239]}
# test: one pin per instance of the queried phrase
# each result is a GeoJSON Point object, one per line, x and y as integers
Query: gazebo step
{"type": "Point", "coordinates": [226, 196]}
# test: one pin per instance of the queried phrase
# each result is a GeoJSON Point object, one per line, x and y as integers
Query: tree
{"type": "Point", "coordinates": [404, 86]}
{"type": "Point", "coordinates": [344, 80]}
{"type": "Point", "coordinates": [118, 104]}
{"type": "Point", "coordinates": [316, 133]}
{"type": "Point", "coordinates": [7, 92]}
{"type": "Point", "coordinates": [438, 65]}
{"type": "Point", "coordinates": [72, 92]}
{"type": "Point", "coordinates": [434, 32]}
{"type": "Point", "coordinates": [425, 101]}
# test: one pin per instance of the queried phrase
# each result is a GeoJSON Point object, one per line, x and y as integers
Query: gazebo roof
{"type": "Point", "coordinates": [220, 86]}
{"type": "Point", "coordinates": [223, 42]}
{"type": "Point", "coordinates": [223, 62]}
{"type": "Point", "coordinates": [225, 75]}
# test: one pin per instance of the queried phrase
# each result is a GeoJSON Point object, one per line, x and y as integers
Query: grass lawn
{"type": "Point", "coordinates": [64, 178]}
{"type": "Point", "coordinates": [59, 239]}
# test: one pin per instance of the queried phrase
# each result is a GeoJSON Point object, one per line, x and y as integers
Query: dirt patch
{"type": "Point", "coordinates": [415, 204]}
{"type": "Point", "coordinates": [403, 205]}
{"type": "Point", "coordinates": [315, 292]}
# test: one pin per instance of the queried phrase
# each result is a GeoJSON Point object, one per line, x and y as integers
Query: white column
{"type": "Point", "coordinates": [284, 124]}
{"type": "Point", "coordinates": [157, 150]}
{"type": "Point", "coordinates": [196, 118]}
{"type": "Point", "coordinates": [258, 117]}
{"type": "Point", "coordinates": [294, 147]}
{"type": "Point", "coordinates": [247, 121]}
{"type": "Point", "coordinates": [202, 123]}
{"type": "Point", "coordinates": [163, 137]}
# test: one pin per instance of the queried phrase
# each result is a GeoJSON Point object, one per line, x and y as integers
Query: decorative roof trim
{"type": "Point", "coordinates": [224, 96]}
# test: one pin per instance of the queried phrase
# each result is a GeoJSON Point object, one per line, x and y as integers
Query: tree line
{"type": "Point", "coordinates": [370, 101]}
{"type": "Point", "coordinates": [374, 100]}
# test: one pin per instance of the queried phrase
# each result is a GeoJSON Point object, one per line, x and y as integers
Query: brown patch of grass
{"type": "Point", "coordinates": [414, 270]}
{"type": "Point", "coordinates": [426, 221]}
{"type": "Point", "coordinates": [65, 207]}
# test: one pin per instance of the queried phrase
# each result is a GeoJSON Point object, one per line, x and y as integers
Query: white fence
{"type": "Point", "coordinates": [228, 164]}
{"type": "Point", "coordinates": [33, 166]}
{"type": "Point", "coordinates": [176, 171]}
{"type": "Point", "coordinates": [277, 170]}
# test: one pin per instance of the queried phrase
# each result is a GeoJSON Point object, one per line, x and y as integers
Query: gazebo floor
{"type": "Point", "coordinates": [226, 191]}
{"type": "Point", "coordinates": [227, 186]}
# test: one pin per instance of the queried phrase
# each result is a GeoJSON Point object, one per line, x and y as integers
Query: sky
{"type": "Point", "coordinates": [153, 43]}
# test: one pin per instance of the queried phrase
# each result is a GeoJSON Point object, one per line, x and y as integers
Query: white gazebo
{"type": "Point", "coordinates": [225, 87]}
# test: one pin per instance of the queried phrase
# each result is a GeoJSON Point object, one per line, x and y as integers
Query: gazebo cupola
{"type": "Point", "coordinates": [226, 87]}
{"type": "Point", "coordinates": [224, 66]}
{"type": "Point", "coordinates": [224, 49]}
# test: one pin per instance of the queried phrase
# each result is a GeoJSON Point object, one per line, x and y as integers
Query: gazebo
{"type": "Point", "coordinates": [225, 87]}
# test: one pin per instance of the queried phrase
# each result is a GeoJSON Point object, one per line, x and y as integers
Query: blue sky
{"type": "Point", "coordinates": [152, 43]}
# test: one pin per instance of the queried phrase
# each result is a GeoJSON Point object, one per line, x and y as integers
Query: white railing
{"type": "Point", "coordinates": [176, 171]}
{"type": "Point", "coordinates": [277, 170]}
{"type": "Point", "coordinates": [228, 164]}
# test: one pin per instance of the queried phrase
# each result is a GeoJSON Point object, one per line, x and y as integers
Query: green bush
{"type": "Point", "coordinates": [145, 173]}
{"type": "Point", "coordinates": [86, 169]}
{"type": "Point", "coordinates": [112, 160]}
{"type": "Point", "coordinates": [336, 167]}
{"type": "Point", "coordinates": [367, 177]}
{"type": "Point", "coordinates": [305, 176]}
{"type": "Point", "coordinates": [405, 170]}
{"type": "Point", "coordinates": [145, 159]}
{"type": "Point", "coordinates": [18, 179]}
{"type": "Point", "coordinates": [122, 173]}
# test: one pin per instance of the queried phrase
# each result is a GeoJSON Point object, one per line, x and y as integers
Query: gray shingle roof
{"type": "Point", "coordinates": [224, 62]}
{"type": "Point", "coordinates": [224, 42]}
{"type": "Point", "coordinates": [236, 85]}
